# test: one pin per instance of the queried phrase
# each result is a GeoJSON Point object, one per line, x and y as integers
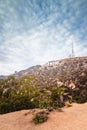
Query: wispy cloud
{"type": "Point", "coordinates": [34, 32]}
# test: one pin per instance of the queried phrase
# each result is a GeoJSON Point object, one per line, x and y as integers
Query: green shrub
{"type": "Point", "coordinates": [4, 107]}
{"type": "Point", "coordinates": [56, 93]}
{"type": "Point", "coordinates": [15, 103]}
{"type": "Point", "coordinates": [40, 117]}
{"type": "Point", "coordinates": [44, 104]}
{"type": "Point", "coordinates": [1, 92]}
{"type": "Point", "coordinates": [55, 97]}
{"type": "Point", "coordinates": [80, 96]}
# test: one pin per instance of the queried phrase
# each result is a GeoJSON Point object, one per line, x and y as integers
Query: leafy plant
{"type": "Point", "coordinates": [40, 117]}
{"type": "Point", "coordinates": [55, 96]}
{"type": "Point", "coordinates": [44, 104]}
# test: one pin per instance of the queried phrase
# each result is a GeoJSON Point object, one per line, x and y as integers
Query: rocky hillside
{"type": "Point", "coordinates": [68, 65]}
{"type": "Point", "coordinates": [30, 71]}
{"type": "Point", "coordinates": [66, 71]}
{"type": "Point", "coordinates": [70, 73]}
{"type": "Point", "coordinates": [49, 85]}
{"type": "Point", "coordinates": [63, 69]}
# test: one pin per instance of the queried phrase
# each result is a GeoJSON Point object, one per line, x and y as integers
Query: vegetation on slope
{"type": "Point", "coordinates": [27, 93]}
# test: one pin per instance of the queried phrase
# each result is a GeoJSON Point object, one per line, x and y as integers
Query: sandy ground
{"type": "Point", "coordinates": [73, 118]}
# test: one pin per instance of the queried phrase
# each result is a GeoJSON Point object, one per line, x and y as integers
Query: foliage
{"type": "Point", "coordinates": [80, 96]}
{"type": "Point", "coordinates": [55, 96]}
{"type": "Point", "coordinates": [15, 103]}
{"type": "Point", "coordinates": [1, 92]}
{"type": "Point", "coordinates": [40, 117]}
{"type": "Point", "coordinates": [27, 93]}
{"type": "Point", "coordinates": [44, 104]}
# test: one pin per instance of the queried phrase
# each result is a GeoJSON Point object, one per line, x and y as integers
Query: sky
{"type": "Point", "coordinates": [34, 32]}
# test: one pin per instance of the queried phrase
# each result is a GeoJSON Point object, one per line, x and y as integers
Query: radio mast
{"type": "Point", "coordinates": [73, 54]}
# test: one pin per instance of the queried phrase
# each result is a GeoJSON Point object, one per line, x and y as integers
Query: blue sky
{"type": "Point", "coordinates": [36, 31]}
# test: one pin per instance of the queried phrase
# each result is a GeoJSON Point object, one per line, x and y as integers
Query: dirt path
{"type": "Point", "coordinates": [73, 118]}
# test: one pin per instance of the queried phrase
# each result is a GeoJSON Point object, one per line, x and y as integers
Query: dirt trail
{"type": "Point", "coordinates": [73, 118]}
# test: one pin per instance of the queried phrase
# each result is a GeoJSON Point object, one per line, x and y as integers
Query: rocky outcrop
{"type": "Point", "coordinates": [68, 72]}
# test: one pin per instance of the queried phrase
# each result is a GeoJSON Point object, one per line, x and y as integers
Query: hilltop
{"type": "Point", "coordinates": [66, 71]}
{"type": "Point", "coordinates": [59, 66]}
{"type": "Point", "coordinates": [63, 69]}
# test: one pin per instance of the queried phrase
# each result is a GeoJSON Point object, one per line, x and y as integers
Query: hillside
{"type": "Point", "coordinates": [69, 68]}
{"type": "Point", "coordinates": [58, 67]}
{"type": "Point", "coordinates": [53, 69]}
{"type": "Point", "coordinates": [50, 85]}
{"type": "Point", "coordinates": [73, 118]}
{"type": "Point", "coordinates": [66, 71]}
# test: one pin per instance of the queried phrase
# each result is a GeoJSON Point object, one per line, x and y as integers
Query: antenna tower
{"type": "Point", "coordinates": [73, 54]}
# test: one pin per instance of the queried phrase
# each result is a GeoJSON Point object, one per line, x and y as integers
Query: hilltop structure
{"type": "Point", "coordinates": [73, 53]}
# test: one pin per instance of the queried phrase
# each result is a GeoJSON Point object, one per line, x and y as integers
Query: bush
{"type": "Point", "coordinates": [56, 93]}
{"type": "Point", "coordinates": [40, 117]}
{"type": "Point", "coordinates": [55, 97]}
{"type": "Point", "coordinates": [4, 107]}
{"type": "Point", "coordinates": [1, 92]}
{"type": "Point", "coordinates": [15, 103]}
{"type": "Point", "coordinates": [80, 96]}
{"type": "Point", "coordinates": [44, 104]}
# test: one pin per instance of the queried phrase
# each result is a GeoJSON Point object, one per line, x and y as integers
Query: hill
{"type": "Point", "coordinates": [50, 85]}
{"type": "Point", "coordinates": [68, 72]}
{"type": "Point", "coordinates": [62, 69]}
